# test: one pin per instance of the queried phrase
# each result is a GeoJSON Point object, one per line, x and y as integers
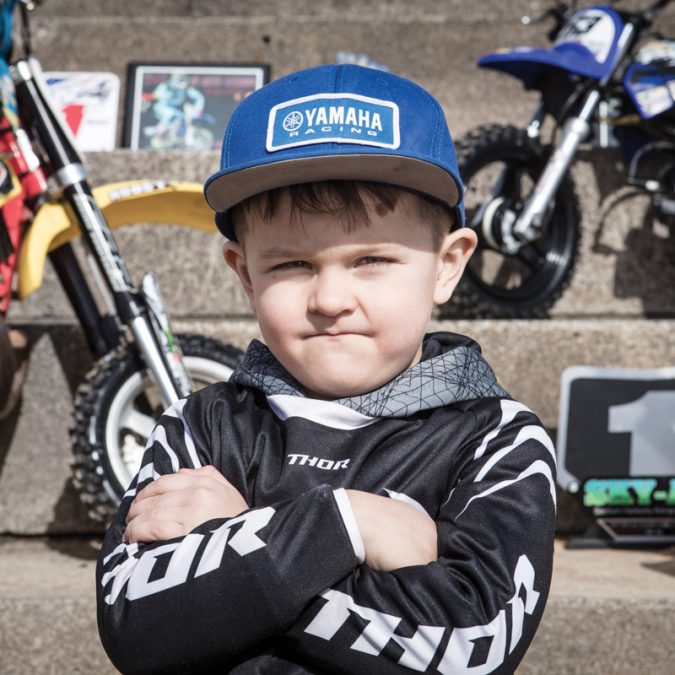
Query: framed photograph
{"type": "Point", "coordinates": [185, 106]}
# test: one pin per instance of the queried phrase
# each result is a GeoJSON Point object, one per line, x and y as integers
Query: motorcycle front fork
{"type": "Point", "coordinates": [530, 221]}
{"type": "Point", "coordinates": [142, 309]}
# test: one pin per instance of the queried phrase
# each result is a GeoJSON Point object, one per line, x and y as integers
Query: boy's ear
{"type": "Point", "coordinates": [235, 258]}
{"type": "Point", "coordinates": [453, 257]}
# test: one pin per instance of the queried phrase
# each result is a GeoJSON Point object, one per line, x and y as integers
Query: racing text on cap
{"type": "Point", "coordinates": [333, 118]}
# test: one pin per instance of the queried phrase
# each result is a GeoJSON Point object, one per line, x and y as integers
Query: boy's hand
{"type": "Point", "coordinates": [395, 534]}
{"type": "Point", "coordinates": [174, 504]}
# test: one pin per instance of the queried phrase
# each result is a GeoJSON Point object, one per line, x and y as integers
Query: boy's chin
{"type": "Point", "coordinates": [342, 378]}
{"type": "Point", "coordinates": [330, 389]}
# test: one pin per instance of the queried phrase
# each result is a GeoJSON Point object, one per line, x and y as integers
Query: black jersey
{"type": "Point", "coordinates": [281, 588]}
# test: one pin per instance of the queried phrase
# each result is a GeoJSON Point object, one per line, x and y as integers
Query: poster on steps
{"type": "Point", "coordinates": [89, 103]}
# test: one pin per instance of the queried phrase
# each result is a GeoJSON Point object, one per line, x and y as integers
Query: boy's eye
{"type": "Point", "coordinates": [373, 260]}
{"type": "Point", "coordinates": [292, 264]}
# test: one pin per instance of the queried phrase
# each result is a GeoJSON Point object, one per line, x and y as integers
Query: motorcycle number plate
{"type": "Point", "coordinates": [594, 29]}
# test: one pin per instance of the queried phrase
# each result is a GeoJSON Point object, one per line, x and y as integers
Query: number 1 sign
{"type": "Point", "coordinates": [616, 449]}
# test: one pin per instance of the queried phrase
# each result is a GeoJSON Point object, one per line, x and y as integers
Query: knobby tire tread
{"type": "Point", "coordinates": [88, 468]}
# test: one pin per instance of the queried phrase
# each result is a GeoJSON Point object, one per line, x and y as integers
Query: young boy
{"type": "Point", "coordinates": [360, 497]}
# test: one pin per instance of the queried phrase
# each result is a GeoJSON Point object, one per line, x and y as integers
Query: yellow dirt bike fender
{"type": "Point", "coordinates": [125, 203]}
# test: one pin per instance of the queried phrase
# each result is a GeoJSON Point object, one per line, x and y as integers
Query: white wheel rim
{"type": "Point", "coordinates": [127, 428]}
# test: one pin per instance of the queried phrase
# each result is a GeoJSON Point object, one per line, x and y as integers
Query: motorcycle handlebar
{"type": "Point", "coordinates": [650, 13]}
{"type": "Point", "coordinates": [561, 11]}
{"type": "Point", "coordinates": [557, 13]}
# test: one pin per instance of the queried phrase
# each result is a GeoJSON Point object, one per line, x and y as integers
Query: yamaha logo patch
{"type": "Point", "coordinates": [333, 118]}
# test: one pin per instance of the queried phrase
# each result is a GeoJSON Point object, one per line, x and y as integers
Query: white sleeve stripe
{"type": "Point", "coordinates": [159, 436]}
{"type": "Point", "coordinates": [530, 432]}
{"type": "Point", "coordinates": [176, 410]}
{"type": "Point", "coordinates": [179, 405]}
{"type": "Point", "coordinates": [190, 444]}
{"type": "Point", "coordinates": [509, 410]}
{"type": "Point", "coordinates": [120, 575]}
{"type": "Point", "coordinates": [130, 549]}
{"type": "Point", "coordinates": [538, 467]}
{"type": "Point", "coordinates": [148, 471]}
{"type": "Point", "coordinates": [349, 519]}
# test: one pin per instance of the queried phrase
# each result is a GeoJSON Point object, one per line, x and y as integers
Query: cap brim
{"type": "Point", "coordinates": [228, 188]}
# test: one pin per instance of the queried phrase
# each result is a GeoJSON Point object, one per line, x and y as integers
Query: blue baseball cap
{"type": "Point", "coordinates": [336, 122]}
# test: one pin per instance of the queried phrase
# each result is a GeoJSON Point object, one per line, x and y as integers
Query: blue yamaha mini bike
{"type": "Point", "coordinates": [607, 80]}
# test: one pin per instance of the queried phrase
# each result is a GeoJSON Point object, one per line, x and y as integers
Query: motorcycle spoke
{"type": "Point", "coordinates": [507, 186]}
{"type": "Point", "coordinates": [511, 184]}
{"type": "Point", "coordinates": [530, 257]}
{"type": "Point", "coordinates": [506, 275]}
{"type": "Point", "coordinates": [137, 422]}
{"type": "Point", "coordinates": [131, 453]}
{"type": "Point", "coordinates": [498, 270]}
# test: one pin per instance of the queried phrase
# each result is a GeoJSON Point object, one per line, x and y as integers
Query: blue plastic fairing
{"type": "Point", "coordinates": [586, 46]}
{"type": "Point", "coordinates": [527, 63]}
{"type": "Point", "coordinates": [651, 87]}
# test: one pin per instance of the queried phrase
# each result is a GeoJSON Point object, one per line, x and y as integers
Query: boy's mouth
{"type": "Point", "coordinates": [334, 333]}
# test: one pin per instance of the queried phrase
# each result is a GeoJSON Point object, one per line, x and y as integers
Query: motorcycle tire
{"type": "Point", "coordinates": [498, 284]}
{"type": "Point", "coordinates": [115, 410]}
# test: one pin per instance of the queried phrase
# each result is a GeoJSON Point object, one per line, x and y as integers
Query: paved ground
{"type": "Point", "coordinates": [609, 612]}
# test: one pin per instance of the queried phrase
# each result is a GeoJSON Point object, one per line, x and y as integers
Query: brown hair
{"type": "Point", "coordinates": [348, 198]}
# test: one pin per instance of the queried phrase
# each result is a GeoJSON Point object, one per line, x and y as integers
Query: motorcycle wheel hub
{"type": "Point", "coordinates": [497, 227]}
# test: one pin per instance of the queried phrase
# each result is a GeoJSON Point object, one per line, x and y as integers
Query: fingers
{"type": "Point", "coordinates": [150, 504]}
{"type": "Point", "coordinates": [139, 530]}
{"type": "Point", "coordinates": [174, 504]}
{"type": "Point", "coordinates": [157, 518]}
{"type": "Point", "coordinates": [183, 480]}
{"type": "Point", "coordinates": [167, 483]}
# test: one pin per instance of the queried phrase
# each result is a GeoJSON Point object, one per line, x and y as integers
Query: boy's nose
{"type": "Point", "coordinates": [331, 294]}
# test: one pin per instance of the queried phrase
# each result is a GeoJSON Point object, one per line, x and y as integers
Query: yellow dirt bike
{"type": "Point", "coordinates": [46, 202]}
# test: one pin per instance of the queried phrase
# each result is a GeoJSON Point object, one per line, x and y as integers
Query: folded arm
{"type": "Point", "coordinates": [477, 606]}
{"type": "Point", "coordinates": [212, 591]}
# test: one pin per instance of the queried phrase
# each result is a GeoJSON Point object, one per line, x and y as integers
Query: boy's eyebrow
{"type": "Point", "coordinates": [279, 252]}
{"type": "Point", "coordinates": [282, 252]}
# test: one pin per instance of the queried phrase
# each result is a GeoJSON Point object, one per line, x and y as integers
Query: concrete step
{"type": "Point", "coordinates": [609, 611]}
{"type": "Point", "coordinates": [527, 356]}
{"type": "Point", "coordinates": [48, 608]}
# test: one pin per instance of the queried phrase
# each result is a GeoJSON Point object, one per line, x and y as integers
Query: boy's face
{"type": "Point", "coordinates": [346, 312]}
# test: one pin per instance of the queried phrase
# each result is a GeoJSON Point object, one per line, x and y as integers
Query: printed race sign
{"type": "Point", "coordinates": [616, 448]}
{"type": "Point", "coordinates": [88, 102]}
